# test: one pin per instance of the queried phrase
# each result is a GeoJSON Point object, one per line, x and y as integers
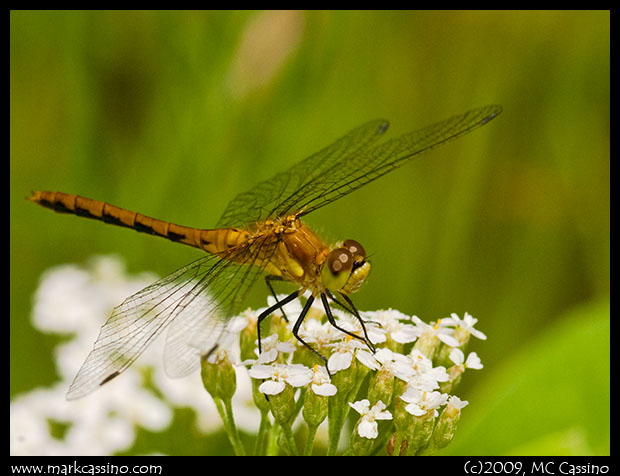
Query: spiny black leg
{"type": "Point", "coordinates": [332, 321]}
{"type": "Point", "coordinates": [263, 315]}
{"type": "Point", "coordinates": [339, 303]}
{"type": "Point", "coordinates": [297, 325]}
{"type": "Point", "coordinates": [268, 280]}
{"type": "Point", "coordinates": [359, 318]}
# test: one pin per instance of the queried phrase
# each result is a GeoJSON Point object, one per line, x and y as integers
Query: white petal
{"type": "Point", "coordinates": [261, 371]}
{"type": "Point", "coordinates": [268, 356]}
{"type": "Point", "coordinates": [384, 415]}
{"type": "Point", "coordinates": [457, 356]}
{"type": "Point", "coordinates": [415, 409]}
{"type": "Point", "coordinates": [383, 355]}
{"type": "Point", "coordinates": [473, 361]}
{"type": "Point", "coordinates": [367, 429]}
{"type": "Point", "coordinates": [361, 406]}
{"type": "Point", "coordinates": [405, 334]}
{"type": "Point", "coordinates": [457, 403]}
{"type": "Point", "coordinates": [339, 361]}
{"type": "Point", "coordinates": [448, 340]}
{"type": "Point", "coordinates": [271, 387]}
{"type": "Point", "coordinates": [367, 359]}
{"type": "Point", "coordinates": [285, 347]}
{"type": "Point", "coordinates": [326, 389]}
{"type": "Point", "coordinates": [299, 380]}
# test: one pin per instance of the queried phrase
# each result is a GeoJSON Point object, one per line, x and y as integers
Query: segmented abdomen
{"type": "Point", "coordinates": [212, 241]}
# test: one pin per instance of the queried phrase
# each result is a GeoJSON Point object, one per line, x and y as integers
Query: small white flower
{"type": "Point", "coordinates": [389, 321]}
{"type": "Point", "coordinates": [342, 356]}
{"type": "Point", "coordinates": [421, 402]}
{"type": "Point", "coordinates": [367, 359]}
{"type": "Point", "coordinates": [438, 330]}
{"type": "Point", "coordinates": [425, 376]}
{"type": "Point", "coordinates": [314, 331]}
{"type": "Point", "coordinates": [457, 403]}
{"type": "Point", "coordinates": [397, 364]}
{"type": "Point", "coordinates": [367, 427]}
{"type": "Point", "coordinates": [321, 384]}
{"type": "Point", "coordinates": [349, 322]}
{"type": "Point", "coordinates": [271, 346]}
{"type": "Point", "coordinates": [473, 361]}
{"type": "Point", "coordinates": [468, 322]}
{"type": "Point", "coordinates": [276, 376]}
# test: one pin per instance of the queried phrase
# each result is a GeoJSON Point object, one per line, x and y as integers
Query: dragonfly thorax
{"type": "Point", "coordinates": [302, 257]}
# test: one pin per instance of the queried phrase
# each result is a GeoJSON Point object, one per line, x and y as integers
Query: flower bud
{"type": "Point", "coordinates": [446, 425]}
{"type": "Point", "coordinates": [260, 399]}
{"type": "Point", "coordinates": [283, 404]}
{"type": "Point", "coordinates": [226, 381]}
{"type": "Point", "coordinates": [208, 373]}
{"type": "Point", "coordinates": [427, 345]}
{"type": "Point", "coordinates": [315, 408]}
{"type": "Point", "coordinates": [345, 379]}
{"type": "Point", "coordinates": [381, 386]}
{"type": "Point", "coordinates": [420, 437]}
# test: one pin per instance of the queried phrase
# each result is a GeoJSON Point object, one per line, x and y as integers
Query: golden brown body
{"type": "Point", "coordinates": [285, 247]}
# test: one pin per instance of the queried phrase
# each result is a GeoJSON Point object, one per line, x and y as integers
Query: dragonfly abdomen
{"type": "Point", "coordinates": [212, 241]}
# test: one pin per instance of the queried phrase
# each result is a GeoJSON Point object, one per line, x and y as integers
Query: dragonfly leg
{"type": "Point", "coordinates": [351, 310]}
{"type": "Point", "coordinates": [297, 325]}
{"type": "Point", "coordinates": [359, 318]}
{"type": "Point", "coordinates": [339, 303]}
{"type": "Point", "coordinates": [268, 279]}
{"type": "Point", "coordinates": [263, 315]}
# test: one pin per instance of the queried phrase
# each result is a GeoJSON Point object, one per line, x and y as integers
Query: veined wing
{"type": "Point", "coordinates": [195, 303]}
{"type": "Point", "coordinates": [345, 166]}
{"type": "Point", "coordinates": [357, 169]}
{"type": "Point", "coordinates": [263, 200]}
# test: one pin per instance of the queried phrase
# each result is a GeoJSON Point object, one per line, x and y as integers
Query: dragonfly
{"type": "Point", "coordinates": [260, 234]}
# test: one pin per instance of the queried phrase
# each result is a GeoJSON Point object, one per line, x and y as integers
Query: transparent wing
{"type": "Point", "coordinates": [345, 166]}
{"type": "Point", "coordinates": [195, 303]}
{"type": "Point", "coordinates": [356, 170]}
{"type": "Point", "coordinates": [263, 200]}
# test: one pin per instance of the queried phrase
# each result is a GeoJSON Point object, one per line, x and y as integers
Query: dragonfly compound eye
{"type": "Point", "coordinates": [337, 268]}
{"type": "Point", "coordinates": [357, 251]}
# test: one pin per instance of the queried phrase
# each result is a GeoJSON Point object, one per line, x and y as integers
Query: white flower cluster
{"type": "Point", "coordinates": [422, 378]}
{"type": "Point", "coordinates": [75, 300]}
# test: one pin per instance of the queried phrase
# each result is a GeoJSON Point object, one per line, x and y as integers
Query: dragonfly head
{"type": "Point", "coordinates": [345, 268]}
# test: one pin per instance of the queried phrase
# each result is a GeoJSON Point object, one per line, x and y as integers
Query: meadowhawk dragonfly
{"type": "Point", "coordinates": [259, 234]}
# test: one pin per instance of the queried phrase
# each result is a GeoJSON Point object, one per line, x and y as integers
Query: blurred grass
{"type": "Point", "coordinates": [173, 113]}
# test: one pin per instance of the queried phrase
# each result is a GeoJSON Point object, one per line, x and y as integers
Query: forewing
{"type": "Point", "coordinates": [263, 201]}
{"type": "Point", "coordinates": [356, 169]}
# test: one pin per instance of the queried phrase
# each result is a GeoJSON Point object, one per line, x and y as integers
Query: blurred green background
{"type": "Point", "coordinates": [173, 113]}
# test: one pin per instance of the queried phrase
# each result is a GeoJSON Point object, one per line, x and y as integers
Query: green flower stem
{"type": "Point", "coordinates": [310, 441]}
{"type": "Point", "coordinates": [336, 420]}
{"type": "Point", "coordinates": [272, 440]}
{"type": "Point", "coordinates": [226, 413]}
{"type": "Point", "coordinates": [263, 434]}
{"type": "Point", "coordinates": [288, 439]}
{"type": "Point", "coordinates": [397, 442]}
